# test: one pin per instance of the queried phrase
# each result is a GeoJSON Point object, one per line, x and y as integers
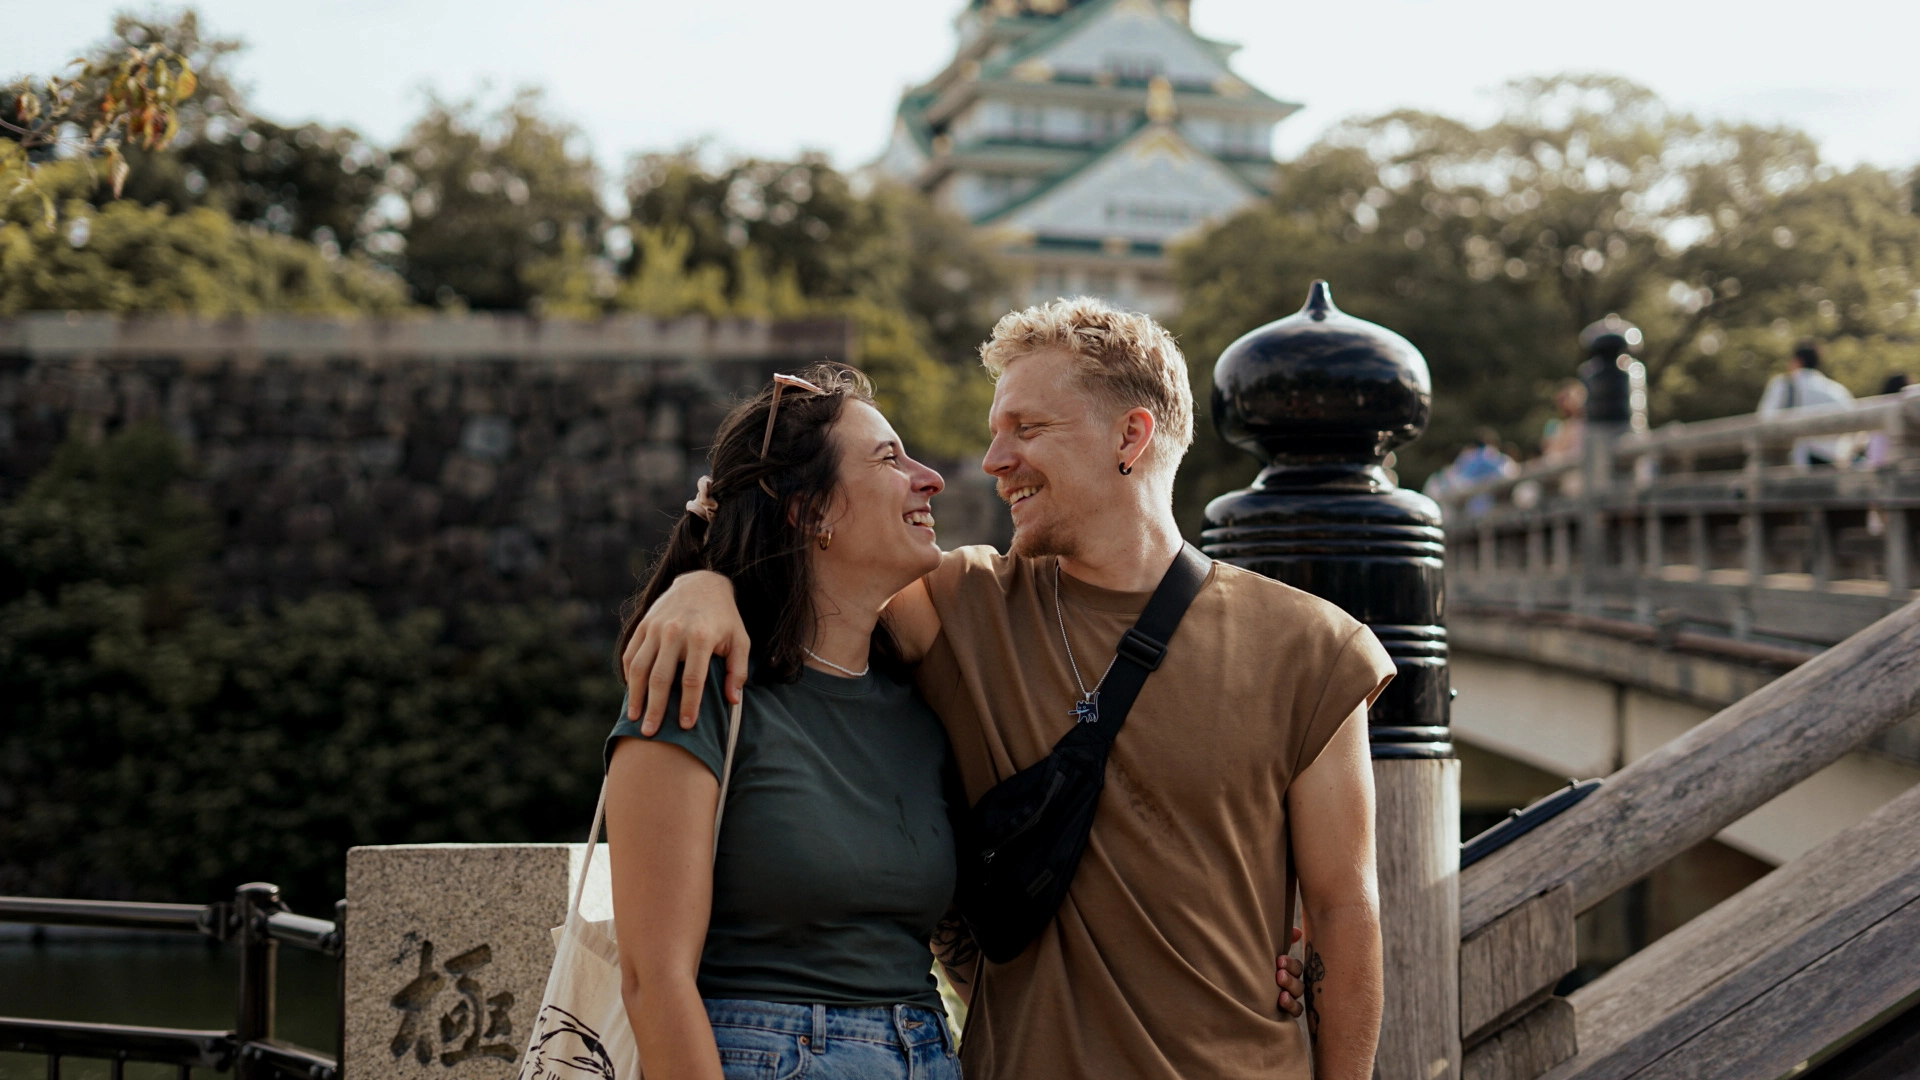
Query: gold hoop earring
{"type": "Point", "coordinates": [826, 537]}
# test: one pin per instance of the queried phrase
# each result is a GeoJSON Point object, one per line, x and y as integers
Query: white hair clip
{"type": "Point", "coordinates": [703, 504]}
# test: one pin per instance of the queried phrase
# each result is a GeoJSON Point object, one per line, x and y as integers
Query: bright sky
{"type": "Point", "coordinates": [772, 77]}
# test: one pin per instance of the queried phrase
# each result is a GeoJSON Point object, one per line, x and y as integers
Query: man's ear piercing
{"type": "Point", "coordinates": [1126, 469]}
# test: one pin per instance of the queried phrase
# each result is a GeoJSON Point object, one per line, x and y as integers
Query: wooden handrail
{"type": "Point", "coordinates": [1733, 993]}
{"type": "Point", "coordinates": [1730, 434]}
{"type": "Point", "coordinates": [1726, 435]}
{"type": "Point", "coordinates": [1717, 773]}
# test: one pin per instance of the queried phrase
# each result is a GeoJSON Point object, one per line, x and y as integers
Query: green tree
{"type": "Point", "coordinates": [488, 198]}
{"type": "Point", "coordinates": [784, 239]}
{"type": "Point", "coordinates": [129, 258]}
{"type": "Point", "coordinates": [1491, 247]}
{"type": "Point", "coordinates": [123, 98]}
{"type": "Point", "coordinates": [310, 181]}
{"type": "Point", "coordinates": [157, 750]}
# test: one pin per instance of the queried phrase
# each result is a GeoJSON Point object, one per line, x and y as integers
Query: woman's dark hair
{"type": "Point", "coordinates": [760, 540]}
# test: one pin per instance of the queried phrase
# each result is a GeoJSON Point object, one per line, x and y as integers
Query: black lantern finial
{"type": "Point", "coordinates": [1321, 397]}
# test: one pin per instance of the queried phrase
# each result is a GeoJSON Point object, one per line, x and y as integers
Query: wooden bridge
{"type": "Point", "coordinates": [1695, 561]}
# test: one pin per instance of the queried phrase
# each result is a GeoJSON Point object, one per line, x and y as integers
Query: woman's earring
{"type": "Point", "coordinates": [1126, 469]}
{"type": "Point", "coordinates": [826, 537]}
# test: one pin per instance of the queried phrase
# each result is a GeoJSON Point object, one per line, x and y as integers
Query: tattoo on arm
{"type": "Point", "coordinates": [953, 944]}
{"type": "Point", "coordinates": [1314, 975]}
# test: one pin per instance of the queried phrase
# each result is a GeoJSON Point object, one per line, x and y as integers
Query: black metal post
{"type": "Point", "coordinates": [1616, 404]}
{"type": "Point", "coordinates": [1322, 398]}
{"type": "Point", "coordinates": [259, 956]}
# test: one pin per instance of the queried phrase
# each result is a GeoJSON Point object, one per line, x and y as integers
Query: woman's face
{"type": "Point", "coordinates": [881, 515]}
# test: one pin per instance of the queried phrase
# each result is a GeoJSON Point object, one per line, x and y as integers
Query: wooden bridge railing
{"type": "Point", "coordinates": [1706, 524]}
{"type": "Point", "coordinates": [1815, 950]}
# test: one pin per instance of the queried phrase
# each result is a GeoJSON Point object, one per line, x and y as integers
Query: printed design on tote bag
{"type": "Point", "coordinates": [565, 1048]}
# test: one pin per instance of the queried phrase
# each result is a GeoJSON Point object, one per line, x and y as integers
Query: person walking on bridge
{"type": "Point", "coordinates": [1242, 772]}
{"type": "Point", "coordinates": [1805, 384]}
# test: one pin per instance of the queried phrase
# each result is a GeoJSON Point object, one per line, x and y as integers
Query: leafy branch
{"type": "Point", "coordinates": [111, 103]}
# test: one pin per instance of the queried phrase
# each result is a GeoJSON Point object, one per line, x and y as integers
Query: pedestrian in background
{"type": "Point", "coordinates": [1805, 384]}
{"type": "Point", "coordinates": [1560, 441]}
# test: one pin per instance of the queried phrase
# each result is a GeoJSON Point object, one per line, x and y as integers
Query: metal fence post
{"type": "Point", "coordinates": [1322, 397]}
{"type": "Point", "coordinates": [259, 956]}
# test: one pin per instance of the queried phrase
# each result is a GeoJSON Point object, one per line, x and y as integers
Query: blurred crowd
{"type": "Point", "coordinates": [1804, 384]}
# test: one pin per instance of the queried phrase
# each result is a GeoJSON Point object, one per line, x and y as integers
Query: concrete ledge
{"type": "Point", "coordinates": [1708, 681]}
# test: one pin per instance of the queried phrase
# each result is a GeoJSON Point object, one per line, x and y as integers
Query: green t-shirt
{"type": "Point", "coordinates": [836, 855]}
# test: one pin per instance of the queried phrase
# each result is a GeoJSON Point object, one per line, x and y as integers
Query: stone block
{"type": "Point", "coordinates": [448, 948]}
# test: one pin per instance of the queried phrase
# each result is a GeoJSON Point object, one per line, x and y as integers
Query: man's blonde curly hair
{"type": "Point", "coordinates": [1125, 358]}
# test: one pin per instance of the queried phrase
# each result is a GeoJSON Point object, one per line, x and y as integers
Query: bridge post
{"type": "Point", "coordinates": [1321, 398]}
{"type": "Point", "coordinates": [1616, 404]}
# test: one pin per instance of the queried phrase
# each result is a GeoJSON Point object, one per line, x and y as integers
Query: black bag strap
{"type": "Point", "coordinates": [1144, 645]}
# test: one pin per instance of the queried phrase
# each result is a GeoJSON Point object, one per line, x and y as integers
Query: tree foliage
{"type": "Point", "coordinates": [156, 750]}
{"type": "Point", "coordinates": [787, 239]}
{"type": "Point", "coordinates": [1491, 247]}
{"type": "Point", "coordinates": [129, 258]}
{"type": "Point", "coordinates": [127, 95]}
{"type": "Point", "coordinates": [482, 198]}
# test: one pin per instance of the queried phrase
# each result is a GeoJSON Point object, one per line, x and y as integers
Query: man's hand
{"type": "Point", "coordinates": [1286, 975]}
{"type": "Point", "coordinates": [692, 622]}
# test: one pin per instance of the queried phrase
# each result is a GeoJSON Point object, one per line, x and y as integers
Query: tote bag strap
{"type": "Point", "coordinates": [719, 811]}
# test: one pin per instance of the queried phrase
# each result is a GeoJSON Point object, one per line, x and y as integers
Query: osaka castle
{"type": "Point", "coordinates": [1083, 137]}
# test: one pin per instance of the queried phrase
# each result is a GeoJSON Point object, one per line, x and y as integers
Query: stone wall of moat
{"type": "Point", "coordinates": [429, 462]}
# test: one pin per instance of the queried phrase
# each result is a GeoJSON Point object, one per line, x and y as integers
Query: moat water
{"type": "Point", "coordinates": [158, 982]}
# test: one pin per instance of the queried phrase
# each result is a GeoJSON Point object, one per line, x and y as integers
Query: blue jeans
{"type": "Point", "coordinates": [764, 1040]}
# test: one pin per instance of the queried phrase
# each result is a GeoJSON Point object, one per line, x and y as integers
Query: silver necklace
{"type": "Point", "coordinates": [1087, 709]}
{"type": "Point", "coordinates": [861, 674]}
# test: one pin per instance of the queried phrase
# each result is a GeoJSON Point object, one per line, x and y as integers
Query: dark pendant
{"type": "Point", "coordinates": [1088, 711]}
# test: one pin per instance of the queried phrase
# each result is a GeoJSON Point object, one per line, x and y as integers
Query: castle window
{"type": "Point", "coordinates": [1161, 214]}
{"type": "Point", "coordinates": [1133, 67]}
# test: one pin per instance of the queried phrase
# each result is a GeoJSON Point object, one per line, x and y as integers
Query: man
{"type": "Point", "coordinates": [1242, 766]}
{"type": "Point", "coordinates": [1476, 464]}
{"type": "Point", "coordinates": [1805, 384]}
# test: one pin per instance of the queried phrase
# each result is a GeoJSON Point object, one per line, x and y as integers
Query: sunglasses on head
{"type": "Point", "coordinates": [780, 384]}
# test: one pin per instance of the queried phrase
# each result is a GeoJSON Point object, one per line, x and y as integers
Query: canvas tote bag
{"type": "Point", "coordinates": [581, 1030]}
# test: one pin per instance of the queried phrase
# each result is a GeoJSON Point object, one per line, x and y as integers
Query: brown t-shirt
{"type": "Point", "coordinates": [1160, 964]}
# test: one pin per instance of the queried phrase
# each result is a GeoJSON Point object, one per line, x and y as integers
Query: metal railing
{"type": "Point", "coordinates": [1707, 524]}
{"type": "Point", "coordinates": [257, 922]}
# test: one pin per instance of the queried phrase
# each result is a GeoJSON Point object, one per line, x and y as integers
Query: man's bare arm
{"type": "Point", "coordinates": [1330, 822]}
{"type": "Point", "coordinates": [692, 622]}
{"type": "Point", "coordinates": [695, 620]}
{"type": "Point", "coordinates": [914, 621]}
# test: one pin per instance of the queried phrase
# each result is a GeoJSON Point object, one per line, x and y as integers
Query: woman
{"type": "Point", "coordinates": [801, 945]}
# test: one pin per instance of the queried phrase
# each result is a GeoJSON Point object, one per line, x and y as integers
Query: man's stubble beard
{"type": "Point", "coordinates": [1041, 540]}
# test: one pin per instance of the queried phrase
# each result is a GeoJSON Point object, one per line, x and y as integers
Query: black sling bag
{"type": "Point", "coordinates": [1021, 843]}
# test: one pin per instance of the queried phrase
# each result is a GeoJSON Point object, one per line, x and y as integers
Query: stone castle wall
{"type": "Point", "coordinates": [424, 462]}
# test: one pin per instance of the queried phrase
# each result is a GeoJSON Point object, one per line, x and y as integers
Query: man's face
{"type": "Point", "coordinates": [1054, 456]}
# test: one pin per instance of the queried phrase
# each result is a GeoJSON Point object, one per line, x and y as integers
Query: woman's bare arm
{"type": "Point", "coordinates": [660, 804]}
